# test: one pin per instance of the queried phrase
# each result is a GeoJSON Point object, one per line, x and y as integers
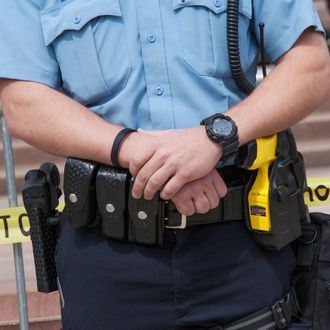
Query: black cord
{"type": "Point", "coordinates": [233, 48]}
{"type": "Point", "coordinates": [262, 48]}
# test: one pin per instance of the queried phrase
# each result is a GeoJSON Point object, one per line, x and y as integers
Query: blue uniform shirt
{"type": "Point", "coordinates": [150, 64]}
{"type": "Point", "coordinates": [154, 64]}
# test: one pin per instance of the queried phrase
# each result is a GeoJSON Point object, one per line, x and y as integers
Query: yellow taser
{"type": "Point", "coordinates": [258, 197]}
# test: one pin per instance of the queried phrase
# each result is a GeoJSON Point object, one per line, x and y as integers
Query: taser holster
{"type": "Point", "coordinates": [274, 202]}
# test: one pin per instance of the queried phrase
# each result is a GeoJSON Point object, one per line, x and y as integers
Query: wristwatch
{"type": "Point", "coordinates": [223, 130]}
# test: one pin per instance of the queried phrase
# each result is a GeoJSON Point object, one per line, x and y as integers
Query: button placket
{"type": "Point", "coordinates": [155, 65]}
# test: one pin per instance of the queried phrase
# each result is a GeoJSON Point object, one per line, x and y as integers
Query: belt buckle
{"type": "Point", "coordinates": [183, 220]}
{"type": "Point", "coordinates": [183, 223]}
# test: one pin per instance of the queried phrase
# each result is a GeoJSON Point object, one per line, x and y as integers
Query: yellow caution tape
{"type": "Point", "coordinates": [318, 192]}
{"type": "Point", "coordinates": [15, 226]}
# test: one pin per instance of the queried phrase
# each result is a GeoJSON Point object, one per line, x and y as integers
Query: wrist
{"type": "Point", "coordinates": [222, 130]}
{"type": "Point", "coordinates": [214, 147]}
{"type": "Point", "coordinates": [126, 149]}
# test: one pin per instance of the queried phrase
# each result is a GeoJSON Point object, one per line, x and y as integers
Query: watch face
{"type": "Point", "coordinates": [222, 127]}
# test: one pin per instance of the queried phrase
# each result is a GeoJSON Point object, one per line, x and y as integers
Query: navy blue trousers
{"type": "Point", "coordinates": [204, 276]}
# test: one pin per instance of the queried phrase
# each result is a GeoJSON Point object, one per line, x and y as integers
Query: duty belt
{"type": "Point", "coordinates": [95, 193]}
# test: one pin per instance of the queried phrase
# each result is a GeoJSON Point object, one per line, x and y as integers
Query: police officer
{"type": "Point", "coordinates": [75, 73]}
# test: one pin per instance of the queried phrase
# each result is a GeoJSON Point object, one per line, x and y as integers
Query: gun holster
{"type": "Point", "coordinates": [40, 197]}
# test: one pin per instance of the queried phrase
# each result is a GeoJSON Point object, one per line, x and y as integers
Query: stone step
{"type": "Point", "coordinates": [316, 152]}
{"type": "Point", "coordinates": [314, 126]}
{"type": "Point", "coordinates": [45, 323]}
{"type": "Point", "coordinates": [24, 153]}
{"type": "Point", "coordinates": [22, 169]}
{"type": "Point", "coordinates": [43, 311]}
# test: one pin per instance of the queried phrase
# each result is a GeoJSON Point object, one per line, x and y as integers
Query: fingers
{"type": "Point", "coordinates": [173, 186]}
{"type": "Point", "coordinates": [157, 181]}
{"type": "Point", "coordinates": [219, 185]}
{"type": "Point", "coordinates": [202, 204]}
{"type": "Point", "coordinates": [200, 195]}
{"type": "Point", "coordinates": [184, 206]}
{"type": "Point", "coordinates": [142, 179]}
{"type": "Point", "coordinates": [212, 197]}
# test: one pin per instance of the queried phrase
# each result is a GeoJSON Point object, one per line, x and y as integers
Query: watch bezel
{"type": "Point", "coordinates": [222, 137]}
{"type": "Point", "coordinates": [229, 142]}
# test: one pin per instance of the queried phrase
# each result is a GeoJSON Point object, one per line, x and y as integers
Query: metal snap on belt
{"type": "Point", "coordinates": [110, 208]}
{"type": "Point", "coordinates": [73, 198]}
{"type": "Point", "coordinates": [142, 215]}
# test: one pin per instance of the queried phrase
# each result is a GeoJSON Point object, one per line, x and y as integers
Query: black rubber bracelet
{"type": "Point", "coordinates": [116, 144]}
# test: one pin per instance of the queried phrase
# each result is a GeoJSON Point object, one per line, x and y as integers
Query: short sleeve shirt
{"type": "Point", "coordinates": [150, 64]}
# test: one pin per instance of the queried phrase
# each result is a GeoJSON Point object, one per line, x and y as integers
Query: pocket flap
{"type": "Point", "coordinates": [73, 15]}
{"type": "Point", "coordinates": [217, 6]}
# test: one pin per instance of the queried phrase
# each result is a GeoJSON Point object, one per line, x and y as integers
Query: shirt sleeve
{"type": "Point", "coordinates": [285, 21]}
{"type": "Point", "coordinates": [24, 55]}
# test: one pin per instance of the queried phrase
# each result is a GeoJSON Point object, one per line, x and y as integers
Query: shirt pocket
{"type": "Point", "coordinates": [203, 35]}
{"type": "Point", "coordinates": [89, 42]}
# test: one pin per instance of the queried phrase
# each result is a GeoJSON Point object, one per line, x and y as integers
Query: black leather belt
{"type": "Point", "coordinates": [96, 193]}
{"type": "Point", "coordinates": [230, 208]}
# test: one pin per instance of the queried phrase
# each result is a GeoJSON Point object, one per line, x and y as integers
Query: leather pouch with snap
{"type": "Point", "coordinates": [145, 220]}
{"type": "Point", "coordinates": [80, 192]}
{"type": "Point", "coordinates": [111, 198]}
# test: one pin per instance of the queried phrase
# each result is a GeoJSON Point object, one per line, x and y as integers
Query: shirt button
{"type": "Point", "coordinates": [151, 37]}
{"type": "Point", "coordinates": [217, 3]}
{"type": "Point", "coordinates": [76, 19]}
{"type": "Point", "coordinates": [159, 90]}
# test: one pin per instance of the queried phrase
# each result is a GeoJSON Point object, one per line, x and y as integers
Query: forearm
{"type": "Point", "coordinates": [54, 123]}
{"type": "Point", "coordinates": [296, 86]}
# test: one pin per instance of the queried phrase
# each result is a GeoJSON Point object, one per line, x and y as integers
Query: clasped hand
{"type": "Point", "coordinates": [177, 163]}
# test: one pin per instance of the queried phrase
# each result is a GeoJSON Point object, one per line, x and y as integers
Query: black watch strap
{"type": "Point", "coordinates": [116, 145]}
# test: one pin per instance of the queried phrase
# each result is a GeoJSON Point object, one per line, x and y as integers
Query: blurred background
{"type": "Point", "coordinates": [313, 138]}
